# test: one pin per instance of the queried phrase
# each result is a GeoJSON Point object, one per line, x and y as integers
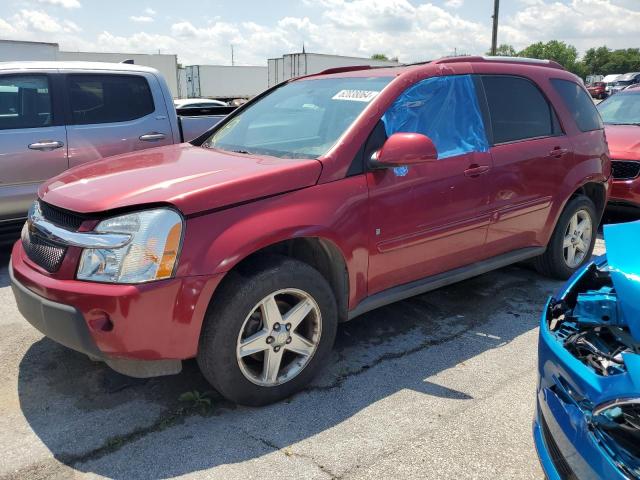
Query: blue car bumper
{"type": "Point", "coordinates": [568, 445]}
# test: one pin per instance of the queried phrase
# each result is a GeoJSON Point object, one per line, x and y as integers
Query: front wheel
{"type": "Point", "coordinates": [573, 240]}
{"type": "Point", "coordinates": [268, 332]}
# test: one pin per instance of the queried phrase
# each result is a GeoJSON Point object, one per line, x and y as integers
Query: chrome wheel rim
{"type": "Point", "coordinates": [577, 238]}
{"type": "Point", "coordinates": [279, 337]}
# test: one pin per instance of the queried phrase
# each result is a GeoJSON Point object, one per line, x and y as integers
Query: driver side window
{"type": "Point", "coordinates": [446, 110]}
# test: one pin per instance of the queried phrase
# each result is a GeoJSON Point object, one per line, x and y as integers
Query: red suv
{"type": "Point", "coordinates": [323, 198]}
{"type": "Point", "coordinates": [597, 90]}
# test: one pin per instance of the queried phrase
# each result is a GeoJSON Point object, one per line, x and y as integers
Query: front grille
{"type": "Point", "coordinates": [44, 253]}
{"type": "Point", "coordinates": [62, 218]}
{"type": "Point", "coordinates": [559, 462]}
{"type": "Point", "coordinates": [624, 170]}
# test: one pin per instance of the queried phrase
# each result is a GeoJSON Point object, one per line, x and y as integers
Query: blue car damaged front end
{"type": "Point", "coordinates": [587, 423]}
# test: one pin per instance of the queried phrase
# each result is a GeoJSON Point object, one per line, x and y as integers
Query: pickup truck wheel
{"type": "Point", "coordinates": [573, 240]}
{"type": "Point", "coordinates": [268, 333]}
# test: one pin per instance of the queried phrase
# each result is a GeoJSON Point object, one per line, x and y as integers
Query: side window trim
{"type": "Point", "coordinates": [552, 112]}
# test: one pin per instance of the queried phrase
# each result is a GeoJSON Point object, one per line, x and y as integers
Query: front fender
{"type": "Point", "coordinates": [337, 212]}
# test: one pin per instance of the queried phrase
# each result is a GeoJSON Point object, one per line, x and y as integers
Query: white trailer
{"type": "Point", "coordinates": [225, 82]}
{"type": "Point", "coordinates": [18, 51]}
{"type": "Point", "coordinates": [298, 64]}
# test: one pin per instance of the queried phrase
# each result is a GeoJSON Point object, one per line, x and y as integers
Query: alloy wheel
{"type": "Point", "coordinates": [577, 238]}
{"type": "Point", "coordinates": [279, 337]}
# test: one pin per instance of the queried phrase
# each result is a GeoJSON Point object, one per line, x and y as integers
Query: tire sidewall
{"type": "Point", "coordinates": [217, 352]}
{"type": "Point", "coordinates": [557, 241]}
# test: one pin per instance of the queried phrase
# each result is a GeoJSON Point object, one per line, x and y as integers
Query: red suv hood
{"type": "Point", "coordinates": [624, 141]}
{"type": "Point", "coordinates": [193, 179]}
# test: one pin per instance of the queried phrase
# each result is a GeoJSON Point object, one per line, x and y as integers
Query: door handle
{"type": "Point", "coordinates": [46, 145]}
{"type": "Point", "coordinates": [558, 152]}
{"type": "Point", "coordinates": [474, 171]}
{"type": "Point", "coordinates": [152, 137]}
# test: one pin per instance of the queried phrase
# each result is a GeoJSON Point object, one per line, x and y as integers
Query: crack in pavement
{"type": "Point", "coordinates": [290, 453]}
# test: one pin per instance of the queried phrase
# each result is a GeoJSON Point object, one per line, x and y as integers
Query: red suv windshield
{"type": "Point", "coordinates": [302, 119]}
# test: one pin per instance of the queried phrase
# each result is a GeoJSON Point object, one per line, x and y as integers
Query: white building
{"type": "Point", "coordinates": [13, 50]}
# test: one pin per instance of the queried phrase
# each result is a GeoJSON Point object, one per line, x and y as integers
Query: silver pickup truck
{"type": "Point", "coordinates": [56, 115]}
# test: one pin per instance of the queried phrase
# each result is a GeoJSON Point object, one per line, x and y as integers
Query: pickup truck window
{"type": "Point", "coordinates": [108, 98]}
{"type": "Point", "coordinates": [25, 102]}
{"type": "Point", "coordinates": [302, 119]}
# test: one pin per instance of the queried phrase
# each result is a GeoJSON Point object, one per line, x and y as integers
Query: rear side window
{"type": "Point", "coordinates": [25, 102]}
{"type": "Point", "coordinates": [108, 98]}
{"type": "Point", "coordinates": [579, 104]}
{"type": "Point", "coordinates": [518, 110]}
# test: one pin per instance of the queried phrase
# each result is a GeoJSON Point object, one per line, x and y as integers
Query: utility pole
{"type": "Point", "coordinates": [494, 36]}
{"type": "Point", "coordinates": [232, 61]}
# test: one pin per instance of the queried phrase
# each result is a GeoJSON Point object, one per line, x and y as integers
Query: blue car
{"type": "Point", "coordinates": [587, 422]}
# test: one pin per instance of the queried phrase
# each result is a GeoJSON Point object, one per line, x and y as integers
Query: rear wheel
{"type": "Point", "coordinates": [268, 333]}
{"type": "Point", "coordinates": [572, 242]}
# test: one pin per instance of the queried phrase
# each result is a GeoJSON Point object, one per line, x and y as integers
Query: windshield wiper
{"type": "Point", "coordinates": [637, 124]}
{"type": "Point", "coordinates": [245, 152]}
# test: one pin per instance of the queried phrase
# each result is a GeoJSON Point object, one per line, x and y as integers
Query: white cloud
{"type": "Point", "coordinates": [583, 23]}
{"type": "Point", "coordinates": [454, 3]}
{"type": "Point", "coordinates": [63, 3]}
{"type": "Point", "coordinates": [150, 11]}
{"type": "Point", "coordinates": [412, 30]}
{"type": "Point", "coordinates": [141, 19]}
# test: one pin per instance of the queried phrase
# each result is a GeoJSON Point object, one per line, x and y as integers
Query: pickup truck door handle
{"type": "Point", "coordinates": [152, 137]}
{"type": "Point", "coordinates": [46, 145]}
{"type": "Point", "coordinates": [558, 152]}
{"type": "Point", "coordinates": [474, 171]}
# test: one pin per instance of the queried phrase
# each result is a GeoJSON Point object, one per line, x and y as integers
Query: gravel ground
{"type": "Point", "coordinates": [438, 386]}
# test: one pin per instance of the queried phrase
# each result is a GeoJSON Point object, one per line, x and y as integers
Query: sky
{"type": "Point", "coordinates": [202, 32]}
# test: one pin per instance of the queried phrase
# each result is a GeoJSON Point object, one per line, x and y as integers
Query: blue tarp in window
{"type": "Point", "coordinates": [444, 109]}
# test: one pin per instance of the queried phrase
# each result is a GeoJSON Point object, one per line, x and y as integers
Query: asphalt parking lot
{"type": "Point", "coordinates": [437, 386]}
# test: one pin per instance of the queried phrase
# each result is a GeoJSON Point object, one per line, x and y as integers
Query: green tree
{"type": "Point", "coordinates": [505, 50]}
{"type": "Point", "coordinates": [565, 54]}
{"type": "Point", "coordinates": [595, 59]}
{"type": "Point", "coordinates": [379, 56]}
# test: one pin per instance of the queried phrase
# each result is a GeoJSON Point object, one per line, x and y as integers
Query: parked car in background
{"type": "Point", "coordinates": [321, 199]}
{"type": "Point", "coordinates": [621, 116]}
{"type": "Point", "coordinates": [624, 81]}
{"type": "Point", "coordinates": [597, 90]}
{"type": "Point", "coordinates": [198, 103]}
{"type": "Point", "coordinates": [56, 115]}
{"type": "Point", "coordinates": [609, 80]}
{"type": "Point", "coordinates": [587, 423]}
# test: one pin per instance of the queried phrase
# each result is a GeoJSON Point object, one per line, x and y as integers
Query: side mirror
{"type": "Point", "coordinates": [403, 149]}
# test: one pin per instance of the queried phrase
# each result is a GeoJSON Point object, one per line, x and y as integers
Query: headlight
{"type": "Point", "coordinates": [150, 255]}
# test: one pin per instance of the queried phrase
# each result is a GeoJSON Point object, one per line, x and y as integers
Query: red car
{"type": "Point", "coordinates": [621, 116]}
{"type": "Point", "coordinates": [321, 199]}
{"type": "Point", "coordinates": [597, 90]}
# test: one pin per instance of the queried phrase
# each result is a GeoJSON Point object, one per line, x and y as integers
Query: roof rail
{"type": "Point", "coordinates": [351, 68]}
{"type": "Point", "coordinates": [501, 59]}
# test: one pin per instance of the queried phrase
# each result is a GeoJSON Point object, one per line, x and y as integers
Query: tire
{"type": "Point", "coordinates": [235, 315]}
{"type": "Point", "coordinates": [553, 263]}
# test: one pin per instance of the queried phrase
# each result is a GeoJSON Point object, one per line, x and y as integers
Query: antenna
{"type": "Point", "coordinates": [232, 60]}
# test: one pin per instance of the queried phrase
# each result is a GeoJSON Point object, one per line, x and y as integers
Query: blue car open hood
{"type": "Point", "coordinates": [624, 264]}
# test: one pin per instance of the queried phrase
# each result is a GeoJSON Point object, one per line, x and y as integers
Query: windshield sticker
{"type": "Point", "coordinates": [355, 95]}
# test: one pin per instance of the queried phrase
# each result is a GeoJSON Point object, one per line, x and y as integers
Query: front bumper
{"type": "Point", "coordinates": [153, 321]}
{"type": "Point", "coordinates": [566, 446]}
{"type": "Point", "coordinates": [625, 193]}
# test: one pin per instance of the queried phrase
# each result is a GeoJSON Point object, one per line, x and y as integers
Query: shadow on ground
{"type": "Point", "coordinates": [84, 413]}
